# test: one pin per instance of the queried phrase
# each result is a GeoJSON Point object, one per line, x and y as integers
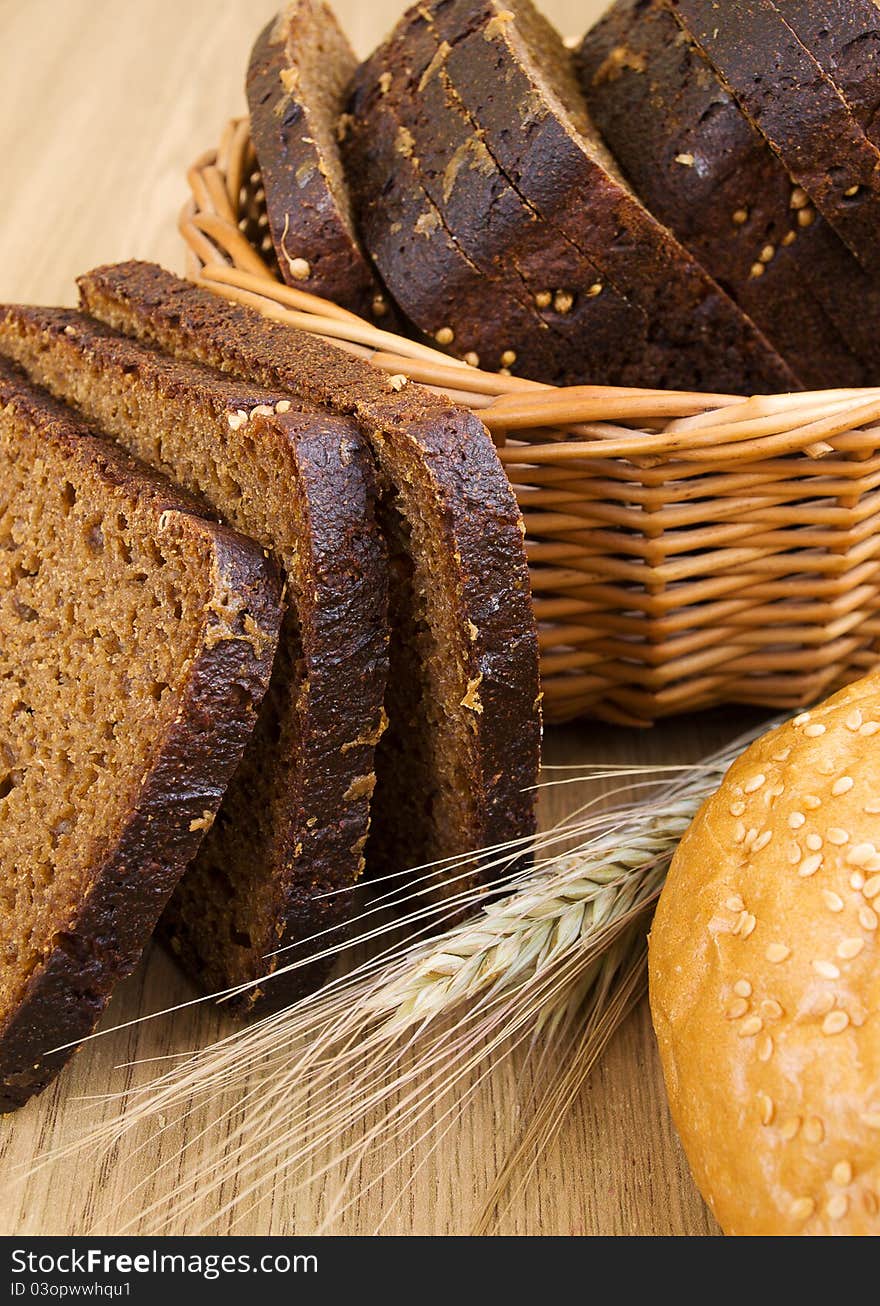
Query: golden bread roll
{"type": "Point", "coordinates": [765, 982]}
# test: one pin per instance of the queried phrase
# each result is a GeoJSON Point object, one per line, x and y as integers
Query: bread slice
{"type": "Point", "coordinates": [456, 765]}
{"type": "Point", "coordinates": [702, 168]}
{"type": "Point", "coordinates": [294, 823]}
{"type": "Point", "coordinates": [451, 235]}
{"type": "Point", "coordinates": [843, 36]}
{"type": "Point", "coordinates": [136, 641]}
{"type": "Point", "coordinates": [508, 66]}
{"type": "Point", "coordinates": [297, 79]}
{"type": "Point", "coordinates": [797, 109]}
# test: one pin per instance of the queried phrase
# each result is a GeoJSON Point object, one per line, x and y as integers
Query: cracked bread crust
{"type": "Point", "coordinates": [703, 169]}
{"type": "Point", "coordinates": [294, 118]}
{"type": "Point", "coordinates": [514, 78]}
{"type": "Point", "coordinates": [798, 109]}
{"type": "Point", "coordinates": [100, 936]}
{"type": "Point", "coordinates": [293, 826]}
{"type": "Point", "coordinates": [442, 457]}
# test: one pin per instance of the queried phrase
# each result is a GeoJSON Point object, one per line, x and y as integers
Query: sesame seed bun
{"type": "Point", "coordinates": [765, 982]}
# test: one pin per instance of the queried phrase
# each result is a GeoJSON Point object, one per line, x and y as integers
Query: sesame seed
{"type": "Point", "coordinates": [871, 1119]}
{"type": "Point", "coordinates": [754, 783]}
{"type": "Point", "coordinates": [777, 790]}
{"type": "Point", "coordinates": [790, 1128]}
{"type": "Point", "coordinates": [794, 853]}
{"type": "Point", "coordinates": [837, 1206]}
{"type": "Point", "coordinates": [842, 786]}
{"type": "Point", "coordinates": [686, 160]}
{"type": "Point", "coordinates": [782, 756]}
{"type": "Point", "coordinates": [742, 988]}
{"type": "Point", "coordinates": [777, 952]}
{"type": "Point", "coordinates": [748, 924]}
{"type": "Point", "coordinates": [814, 1130]}
{"type": "Point", "coordinates": [851, 190]}
{"type": "Point", "coordinates": [472, 359]}
{"type": "Point", "coordinates": [799, 198]}
{"type": "Point", "coordinates": [802, 1208]}
{"type": "Point", "coordinates": [814, 730]}
{"type": "Point", "coordinates": [861, 853]}
{"type": "Point", "coordinates": [854, 720]}
{"type": "Point", "coordinates": [772, 1009]}
{"type": "Point", "coordinates": [235, 420]}
{"type": "Point", "coordinates": [869, 728]}
{"type": "Point", "coordinates": [262, 410]}
{"type": "Point", "coordinates": [444, 336]}
{"type": "Point", "coordinates": [872, 887]}
{"type": "Point", "coordinates": [796, 820]}
{"type": "Point", "coordinates": [737, 1008]}
{"type": "Point", "coordinates": [766, 254]}
{"type": "Point", "coordinates": [806, 217]}
{"type": "Point", "coordinates": [810, 865]}
{"type": "Point", "coordinates": [789, 238]}
{"type": "Point", "coordinates": [739, 832]}
{"type": "Point", "coordinates": [752, 1026]}
{"type": "Point", "coordinates": [823, 1003]}
{"type": "Point", "coordinates": [867, 918]}
{"type": "Point", "coordinates": [811, 802]}
{"type": "Point", "coordinates": [826, 969]}
{"type": "Point", "coordinates": [762, 841]}
{"type": "Point", "coordinates": [283, 406]}
{"type": "Point", "coordinates": [563, 301]}
{"type": "Point", "coordinates": [751, 836]}
{"type": "Point", "coordinates": [397, 381]}
{"type": "Point", "coordinates": [833, 901]}
{"type": "Point", "coordinates": [508, 358]}
{"type": "Point", "coordinates": [735, 903]}
{"type": "Point", "coordinates": [801, 718]}
{"type": "Point", "coordinates": [595, 289]}
{"type": "Point", "coordinates": [765, 1047]}
{"type": "Point", "coordinates": [756, 270]}
{"type": "Point", "coordinates": [837, 836]}
{"type": "Point", "coordinates": [813, 842]}
{"type": "Point", "coordinates": [543, 299]}
{"type": "Point", "coordinates": [857, 881]}
{"type": "Point", "coordinates": [835, 1022]}
{"type": "Point", "coordinates": [740, 216]}
{"type": "Point", "coordinates": [737, 808]}
{"type": "Point", "coordinates": [842, 1174]}
{"type": "Point", "coordinates": [849, 948]}
{"type": "Point", "coordinates": [766, 1108]}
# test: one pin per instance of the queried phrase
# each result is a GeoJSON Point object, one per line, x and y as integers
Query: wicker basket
{"type": "Point", "coordinates": [685, 549]}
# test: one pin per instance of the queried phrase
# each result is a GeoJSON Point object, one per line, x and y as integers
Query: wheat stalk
{"type": "Point", "coordinates": [393, 1051]}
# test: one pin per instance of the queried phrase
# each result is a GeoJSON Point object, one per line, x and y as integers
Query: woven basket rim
{"type": "Point", "coordinates": [650, 427]}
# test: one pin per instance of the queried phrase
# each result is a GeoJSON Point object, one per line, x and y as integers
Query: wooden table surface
{"type": "Point", "coordinates": [102, 107]}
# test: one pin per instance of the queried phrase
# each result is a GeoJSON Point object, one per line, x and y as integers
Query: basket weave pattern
{"type": "Point", "coordinates": [685, 549]}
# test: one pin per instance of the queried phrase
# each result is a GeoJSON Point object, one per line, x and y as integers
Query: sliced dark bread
{"type": "Point", "coordinates": [294, 823]}
{"type": "Point", "coordinates": [797, 109]}
{"type": "Point", "coordinates": [297, 79]}
{"type": "Point", "coordinates": [456, 764]}
{"type": "Point", "coordinates": [698, 164]}
{"type": "Point", "coordinates": [844, 38]}
{"type": "Point", "coordinates": [136, 641]}
{"type": "Point", "coordinates": [410, 148]}
{"type": "Point", "coordinates": [515, 78]}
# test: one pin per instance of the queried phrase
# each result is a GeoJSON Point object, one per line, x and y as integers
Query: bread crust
{"type": "Point", "coordinates": [328, 686]}
{"type": "Point", "coordinates": [764, 980]}
{"type": "Point", "coordinates": [797, 109]}
{"type": "Point", "coordinates": [703, 169]}
{"type": "Point", "coordinates": [484, 584]}
{"type": "Point", "coordinates": [182, 789]}
{"type": "Point", "coordinates": [843, 36]}
{"type": "Point", "coordinates": [697, 337]}
{"type": "Point", "coordinates": [316, 245]}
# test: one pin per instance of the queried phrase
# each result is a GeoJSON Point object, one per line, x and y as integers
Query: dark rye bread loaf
{"type": "Point", "coordinates": [297, 79]}
{"type": "Point", "coordinates": [515, 79]}
{"type": "Point", "coordinates": [797, 109]}
{"type": "Point", "coordinates": [843, 36]}
{"type": "Point", "coordinates": [456, 764]}
{"type": "Point", "coordinates": [698, 163]}
{"type": "Point", "coordinates": [454, 238]}
{"type": "Point", "coordinates": [294, 823]}
{"type": "Point", "coordinates": [136, 641]}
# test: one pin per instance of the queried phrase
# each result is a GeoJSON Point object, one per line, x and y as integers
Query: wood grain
{"type": "Point", "coordinates": [102, 108]}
